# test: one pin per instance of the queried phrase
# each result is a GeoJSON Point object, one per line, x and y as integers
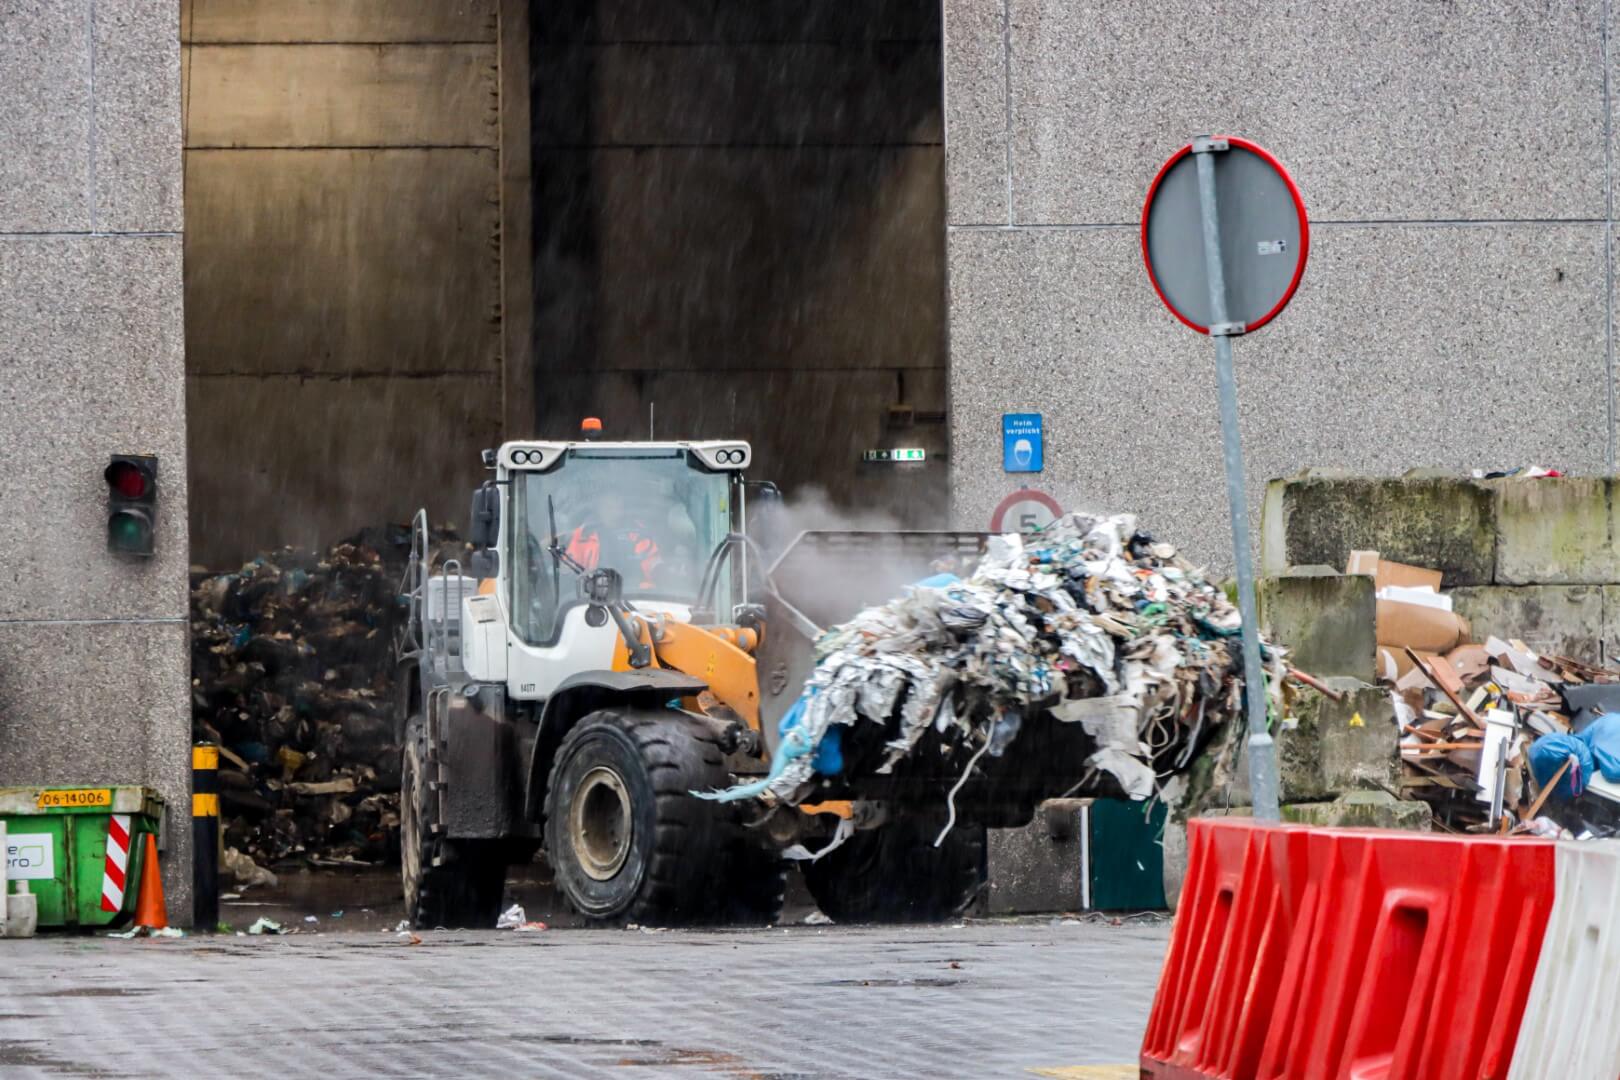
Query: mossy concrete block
{"type": "Point", "coordinates": [1563, 619]}
{"type": "Point", "coordinates": [1325, 620]}
{"type": "Point", "coordinates": [1556, 532]}
{"type": "Point", "coordinates": [1448, 524]}
{"type": "Point", "coordinates": [1356, 809]}
{"type": "Point", "coordinates": [1611, 624]}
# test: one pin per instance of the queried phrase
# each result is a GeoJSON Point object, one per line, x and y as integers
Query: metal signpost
{"type": "Point", "coordinates": [1225, 235]}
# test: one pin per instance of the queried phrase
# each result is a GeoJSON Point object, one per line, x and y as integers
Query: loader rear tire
{"type": "Point", "coordinates": [629, 843]}
{"type": "Point", "coordinates": [446, 884]}
{"type": "Point", "coordinates": [895, 874]}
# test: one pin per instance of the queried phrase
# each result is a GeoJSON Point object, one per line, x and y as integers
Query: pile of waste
{"type": "Point", "coordinates": [1498, 738]}
{"type": "Point", "coordinates": [1494, 736]}
{"type": "Point", "coordinates": [293, 677]}
{"type": "Point", "coordinates": [1089, 619]}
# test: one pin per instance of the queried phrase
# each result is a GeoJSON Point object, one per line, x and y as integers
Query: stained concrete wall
{"type": "Point", "coordinates": [1456, 306]}
{"type": "Point", "coordinates": [94, 657]}
{"type": "Point", "coordinates": [356, 230]}
{"type": "Point", "coordinates": [739, 226]}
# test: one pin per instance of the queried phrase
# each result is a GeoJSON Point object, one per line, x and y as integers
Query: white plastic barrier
{"type": "Point", "coordinates": [1571, 1027]}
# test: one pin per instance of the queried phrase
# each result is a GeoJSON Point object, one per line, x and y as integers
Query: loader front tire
{"type": "Point", "coordinates": [627, 840]}
{"type": "Point", "coordinates": [894, 873]}
{"type": "Point", "coordinates": [446, 884]}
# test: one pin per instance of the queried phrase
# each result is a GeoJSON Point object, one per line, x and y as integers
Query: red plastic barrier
{"type": "Point", "coordinates": [1314, 954]}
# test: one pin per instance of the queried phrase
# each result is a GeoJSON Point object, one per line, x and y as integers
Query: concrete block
{"type": "Point", "coordinates": [137, 130]}
{"type": "Point", "coordinates": [976, 113]}
{"type": "Point", "coordinates": [92, 704]}
{"type": "Point", "coordinates": [1611, 624]}
{"type": "Point", "coordinates": [1065, 316]}
{"type": "Point", "coordinates": [1036, 868]}
{"type": "Point", "coordinates": [1442, 524]}
{"type": "Point", "coordinates": [1352, 755]}
{"type": "Point", "coordinates": [1084, 72]}
{"type": "Point", "coordinates": [1563, 619]}
{"type": "Point", "coordinates": [1363, 810]}
{"type": "Point", "coordinates": [45, 122]}
{"type": "Point", "coordinates": [90, 329]}
{"type": "Point", "coordinates": [297, 262]}
{"type": "Point", "coordinates": [339, 20]}
{"type": "Point", "coordinates": [342, 96]}
{"type": "Point", "coordinates": [1357, 809]}
{"type": "Point", "coordinates": [274, 456]}
{"type": "Point", "coordinates": [1556, 532]}
{"type": "Point", "coordinates": [1325, 620]}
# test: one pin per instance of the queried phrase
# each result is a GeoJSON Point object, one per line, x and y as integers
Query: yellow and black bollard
{"type": "Point", "coordinates": [205, 834]}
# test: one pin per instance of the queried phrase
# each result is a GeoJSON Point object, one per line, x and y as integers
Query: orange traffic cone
{"type": "Point", "coordinates": [150, 910]}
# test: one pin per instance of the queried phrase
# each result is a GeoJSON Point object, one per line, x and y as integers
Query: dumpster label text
{"type": "Point", "coordinates": [29, 857]}
{"type": "Point", "coordinates": [75, 797]}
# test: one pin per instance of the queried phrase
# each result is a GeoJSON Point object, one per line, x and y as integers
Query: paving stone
{"type": "Point", "coordinates": [818, 1003]}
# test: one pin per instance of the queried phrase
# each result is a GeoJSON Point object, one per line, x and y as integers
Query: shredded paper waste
{"type": "Point", "coordinates": [1089, 619]}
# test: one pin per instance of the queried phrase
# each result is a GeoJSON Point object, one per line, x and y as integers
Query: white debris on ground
{"type": "Point", "coordinates": [1089, 619]}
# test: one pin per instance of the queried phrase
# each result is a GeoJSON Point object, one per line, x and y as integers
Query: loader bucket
{"type": "Point", "coordinates": [824, 578]}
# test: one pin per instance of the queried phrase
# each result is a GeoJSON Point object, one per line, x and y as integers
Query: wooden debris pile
{"type": "Point", "coordinates": [293, 677]}
{"type": "Point", "coordinates": [1467, 721]}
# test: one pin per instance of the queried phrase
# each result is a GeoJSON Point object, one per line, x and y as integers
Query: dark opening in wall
{"type": "Point", "coordinates": [739, 232]}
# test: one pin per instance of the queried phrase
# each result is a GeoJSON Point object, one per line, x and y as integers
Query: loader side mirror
{"type": "Point", "coordinates": [485, 530]}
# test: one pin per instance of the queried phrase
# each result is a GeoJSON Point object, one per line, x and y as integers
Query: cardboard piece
{"type": "Point", "coordinates": [1470, 661]}
{"type": "Point", "coordinates": [1386, 572]}
{"type": "Point", "coordinates": [1414, 678]}
{"type": "Point", "coordinates": [1426, 629]}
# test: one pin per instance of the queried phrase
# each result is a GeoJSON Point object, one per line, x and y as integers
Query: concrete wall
{"type": "Point", "coordinates": [94, 657]}
{"type": "Point", "coordinates": [353, 245]}
{"type": "Point", "coordinates": [1458, 166]}
{"type": "Point", "coordinates": [739, 222]}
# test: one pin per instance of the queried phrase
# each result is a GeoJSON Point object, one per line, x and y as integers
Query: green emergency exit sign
{"type": "Point", "coordinates": [903, 454]}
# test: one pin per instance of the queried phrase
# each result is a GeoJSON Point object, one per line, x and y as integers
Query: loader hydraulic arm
{"type": "Point", "coordinates": [722, 656]}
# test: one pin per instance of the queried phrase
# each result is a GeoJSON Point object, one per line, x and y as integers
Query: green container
{"type": "Point", "coordinates": [1126, 864]}
{"type": "Point", "coordinates": [56, 840]}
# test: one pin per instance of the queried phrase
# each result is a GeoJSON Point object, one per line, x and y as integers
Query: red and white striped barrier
{"type": "Point", "coordinates": [1320, 954]}
{"type": "Point", "coordinates": [112, 879]}
{"type": "Point", "coordinates": [1571, 1027]}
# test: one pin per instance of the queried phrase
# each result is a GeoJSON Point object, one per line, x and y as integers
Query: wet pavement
{"type": "Point", "coordinates": [980, 999]}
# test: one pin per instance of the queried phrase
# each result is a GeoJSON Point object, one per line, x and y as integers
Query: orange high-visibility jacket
{"type": "Point", "coordinates": [585, 548]}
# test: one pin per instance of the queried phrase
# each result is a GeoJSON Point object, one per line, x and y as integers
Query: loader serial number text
{"type": "Point", "coordinates": [76, 797]}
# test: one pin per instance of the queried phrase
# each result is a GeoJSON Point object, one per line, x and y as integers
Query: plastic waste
{"type": "Point", "coordinates": [1548, 754]}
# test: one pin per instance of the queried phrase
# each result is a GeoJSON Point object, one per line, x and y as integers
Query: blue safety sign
{"type": "Point", "coordinates": [1021, 442]}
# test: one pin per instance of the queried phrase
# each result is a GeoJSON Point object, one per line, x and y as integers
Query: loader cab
{"type": "Point", "coordinates": [657, 512]}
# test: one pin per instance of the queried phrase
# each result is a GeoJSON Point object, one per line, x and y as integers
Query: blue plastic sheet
{"type": "Point", "coordinates": [1603, 737]}
{"type": "Point", "coordinates": [1547, 756]}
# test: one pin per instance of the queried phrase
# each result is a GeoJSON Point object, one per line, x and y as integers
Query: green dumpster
{"type": "Point", "coordinates": [58, 840]}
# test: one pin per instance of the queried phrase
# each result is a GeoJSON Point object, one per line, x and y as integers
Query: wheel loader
{"type": "Point", "coordinates": [620, 638]}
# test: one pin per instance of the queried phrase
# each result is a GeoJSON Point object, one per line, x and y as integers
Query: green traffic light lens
{"type": "Point", "coordinates": [129, 532]}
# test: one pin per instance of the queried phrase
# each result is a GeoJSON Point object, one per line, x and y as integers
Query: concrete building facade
{"type": "Point", "coordinates": [94, 649]}
{"type": "Point", "coordinates": [1456, 310]}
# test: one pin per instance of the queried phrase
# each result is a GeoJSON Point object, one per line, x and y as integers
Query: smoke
{"type": "Point", "coordinates": [810, 507]}
{"type": "Point", "coordinates": [831, 575]}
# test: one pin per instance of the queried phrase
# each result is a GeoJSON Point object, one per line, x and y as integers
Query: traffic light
{"type": "Point", "coordinates": [131, 503]}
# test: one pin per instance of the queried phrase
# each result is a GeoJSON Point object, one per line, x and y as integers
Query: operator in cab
{"type": "Point", "coordinates": [613, 537]}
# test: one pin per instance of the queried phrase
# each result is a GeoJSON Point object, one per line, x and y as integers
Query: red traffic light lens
{"type": "Point", "coordinates": [128, 480]}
